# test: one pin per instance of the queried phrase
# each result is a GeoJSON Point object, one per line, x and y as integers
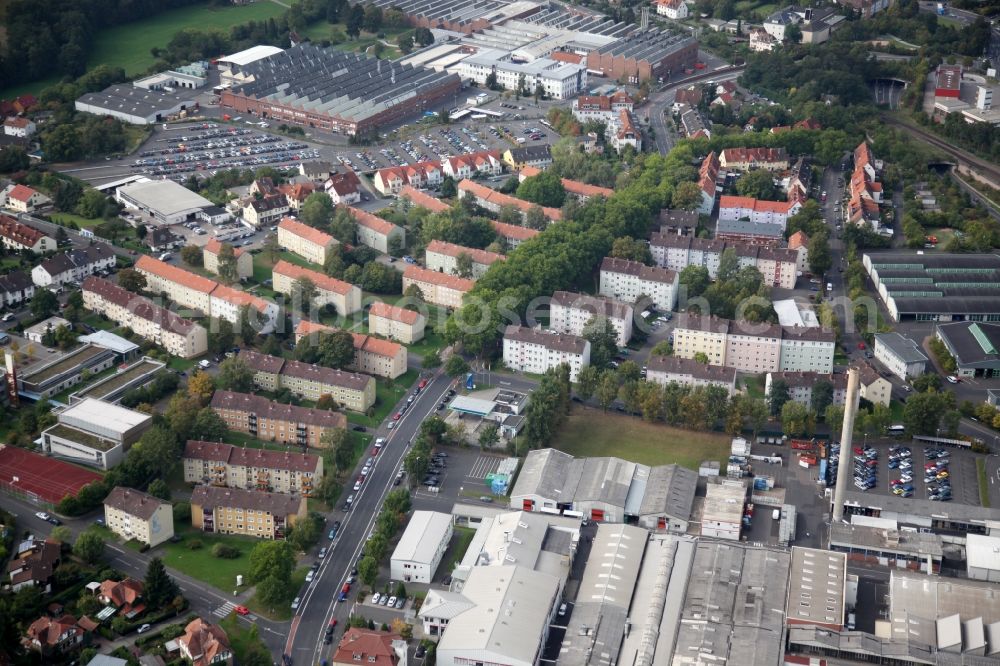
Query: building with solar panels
{"type": "Point", "coordinates": [336, 91]}
{"type": "Point", "coordinates": [937, 287]}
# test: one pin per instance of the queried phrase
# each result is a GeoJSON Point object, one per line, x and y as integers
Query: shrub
{"type": "Point", "coordinates": [225, 551]}
{"type": "Point", "coordinates": [195, 544]}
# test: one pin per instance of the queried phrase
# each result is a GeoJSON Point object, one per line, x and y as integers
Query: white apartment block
{"type": "Point", "coordinates": [687, 372]}
{"type": "Point", "coordinates": [901, 355]}
{"type": "Point", "coordinates": [443, 257]}
{"type": "Point", "coordinates": [389, 321]}
{"type": "Point", "coordinates": [571, 312]}
{"type": "Point", "coordinates": [375, 232]}
{"type": "Point", "coordinates": [532, 350]}
{"type": "Point", "coordinates": [344, 296]}
{"type": "Point", "coordinates": [625, 281]}
{"type": "Point", "coordinates": [757, 211]}
{"type": "Point", "coordinates": [437, 288]}
{"type": "Point", "coordinates": [309, 243]}
{"type": "Point", "coordinates": [133, 514]}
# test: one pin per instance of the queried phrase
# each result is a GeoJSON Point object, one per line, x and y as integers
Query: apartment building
{"type": "Point", "coordinates": [352, 390]}
{"type": "Point", "coordinates": [754, 347]}
{"type": "Point", "coordinates": [493, 201]}
{"type": "Point", "coordinates": [625, 281]}
{"type": "Point", "coordinates": [512, 234]}
{"type": "Point", "coordinates": [262, 515]}
{"type": "Point", "coordinates": [602, 108]}
{"type": "Point", "coordinates": [533, 350]}
{"type": "Point", "coordinates": [437, 288]}
{"type": "Point", "coordinates": [217, 464]}
{"type": "Point", "coordinates": [483, 163]}
{"type": "Point", "coordinates": [73, 265]}
{"type": "Point", "coordinates": [214, 299]}
{"type": "Point", "coordinates": [133, 514]}
{"type": "Point", "coordinates": [94, 433]}
{"type": "Point", "coordinates": [708, 182]}
{"type": "Point", "coordinates": [443, 257]}
{"type": "Point", "coordinates": [375, 232]}
{"type": "Point", "coordinates": [580, 191]}
{"type": "Point", "coordinates": [18, 237]}
{"type": "Point", "coordinates": [210, 258]}
{"type": "Point", "coordinates": [389, 321]}
{"type": "Point", "coordinates": [343, 296]}
{"type": "Point", "coordinates": [570, 312]}
{"type": "Point", "coordinates": [24, 199]}
{"type": "Point", "coordinates": [274, 421]}
{"type": "Point", "coordinates": [745, 159]}
{"type": "Point", "coordinates": [372, 356]}
{"type": "Point", "coordinates": [423, 200]}
{"type": "Point", "coordinates": [873, 387]}
{"type": "Point", "coordinates": [538, 156]}
{"type": "Point", "coordinates": [756, 211]}
{"type": "Point", "coordinates": [179, 336]}
{"type": "Point", "coordinates": [687, 372]}
{"type": "Point", "coordinates": [309, 243]}
{"type": "Point", "coordinates": [392, 180]}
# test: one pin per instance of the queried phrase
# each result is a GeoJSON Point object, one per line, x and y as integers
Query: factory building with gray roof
{"type": "Point", "coordinates": [336, 91]}
{"type": "Point", "coordinates": [129, 104]}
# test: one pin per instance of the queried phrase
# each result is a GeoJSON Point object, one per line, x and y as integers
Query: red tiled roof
{"type": "Point", "coordinates": [708, 174]}
{"type": "Point", "coordinates": [19, 233]}
{"type": "Point", "coordinates": [757, 205]}
{"type": "Point", "coordinates": [21, 193]}
{"type": "Point", "coordinates": [16, 121]}
{"type": "Point", "coordinates": [240, 298]}
{"type": "Point", "coordinates": [175, 274]}
{"type": "Point", "coordinates": [485, 193]}
{"type": "Point", "coordinates": [744, 155]}
{"type": "Point", "coordinates": [563, 56]}
{"type": "Point", "coordinates": [373, 222]}
{"type": "Point", "coordinates": [321, 280]}
{"type": "Point", "coordinates": [205, 642]}
{"type": "Point", "coordinates": [585, 190]}
{"type": "Point", "coordinates": [386, 311]}
{"type": "Point", "coordinates": [374, 648]}
{"type": "Point", "coordinates": [452, 250]}
{"type": "Point", "coordinates": [513, 231]}
{"type": "Point", "coordinates": [298, 191]}
{"type": "Point", "coordinates": [797, 240]}
{"type": "Point", "coordinates": [213, 247]}
{"type": "Point", "coordinates": [419, 274]}
{"type": "Point", "coordinates": [139, 306]}
{"type": "Point", "coordinates": [362, 342]}
{"type": "Point", "coordinates": [301, 230]}
{"type": "Point", "coordinates": [423, 199]}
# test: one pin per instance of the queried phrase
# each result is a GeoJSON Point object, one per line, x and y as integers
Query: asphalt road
{"type": "Point", "coordinates": [661, 101]}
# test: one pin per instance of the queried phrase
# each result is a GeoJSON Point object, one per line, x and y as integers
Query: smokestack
{"type": "Point", "coordinates": [846, 438]}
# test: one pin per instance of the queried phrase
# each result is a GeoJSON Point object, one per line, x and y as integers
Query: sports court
{"type": "Point", "coordinates": [48, 479]}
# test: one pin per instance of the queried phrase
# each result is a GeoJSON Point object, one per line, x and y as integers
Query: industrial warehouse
{"type": "Point", "coordinates": [335, 91]}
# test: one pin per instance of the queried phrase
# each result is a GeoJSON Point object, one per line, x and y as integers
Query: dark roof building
{"type": "Point", "coordinates": [974, 345]}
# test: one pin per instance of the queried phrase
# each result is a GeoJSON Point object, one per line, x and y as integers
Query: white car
{"type": "Point", "coordinates": [310, 575]}
{"type": "Point", "coordinates": [357, 486]}
{"type": "Point", "coordinates": [952, 379]}
{"type": "Point", "coordinates": [42, 515]}
{"type": "Point", "coordinates": [143, 629]}
{"type": "Point", "coordinates": [376, 598]}
{"type": "Point", "coordinates": [8, 317]}
{"type": "Point", "coordinates": [295, 604]}
{"type": "Point", "coordinates": [392, 602]}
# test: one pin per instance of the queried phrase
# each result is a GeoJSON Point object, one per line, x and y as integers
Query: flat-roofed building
{"type": "Point", "coordinates": [532, 350]}
{"type": "Point", "coordinates": [817, 588]}
{"type": "Point", "coordinates": [262, 515]}
{"type": "Point", "coordinates": [344, 296]}
{"type": "Point", "coordinates": [723, 510]}
{"type": "Point", "coordinates": [422, 546]}
{"type": "Point", "coordinates": [373, 356]}
{"type": "Point", "coordinates": [275, 421]}
{"type": "Point", "coordinates": [883, 544]}
{"type": "Point", "coordinates": [96, 433]}
{"type": "Point", "coordinates": [308, 242]}
{"type": "Point", "coordinates": [444, 257]}
{"type": "Point", "coordinates": [397, 323]}
{"type": "Point", "coordinates": [251, 469]}
{"type": "Point", "coordinates": [571, 312]}
{"type": "Point", "coordinates": [437, 288]}
{"type": "Point", "coordinates": [900, 355]}
{"type": "Point", "coordinates": [626, 281]}
{"type": "Point", "coordinates": [377, 233]}
{"type": "Point", "coordinates": [165, 201]}
{"type": "Point", "coordinates": [56, 376]}
{"type": "Point", "coordinates": [242, 259]}
{"type": "Point", "coordinates": [688, 372]}
{"type": "Point", "coordinates": [982, 557]}
{"type": "Point", "coordinates": [133, 514]}
{"type": "Point", "coordinates": [974, 345]}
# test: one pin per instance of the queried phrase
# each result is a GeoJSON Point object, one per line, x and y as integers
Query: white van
{"type": "Point", "coordinates": [165, 256]}
{"type": "Point", "coordinates": [204, 364]}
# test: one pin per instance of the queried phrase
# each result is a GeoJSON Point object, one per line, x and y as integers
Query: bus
{"type": "Point", "coordinates": [896, 430]}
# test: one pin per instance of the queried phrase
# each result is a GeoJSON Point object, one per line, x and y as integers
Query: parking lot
{"type": "Point", "coordinates": [462, 479]}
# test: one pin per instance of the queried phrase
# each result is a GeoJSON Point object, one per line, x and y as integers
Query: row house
{"type": "Point", "coordinates": [214, 299]}
{"type": "Point", "coordinates": [73, 265]}
{"type": "Point", "coordinates": [493, 201]}
{"type": "Point", "coordinates": [745, 159]}
{"type": "Point", "coordinates": [778, 266]}
{"type": "Point", "coordinates": [437, 288]}
{"type": "Point", "coordinates": [389, 321]}
{"type": "Point", "coordinates": [264, 211]}
{"type": "Point", "coordinates": [217, 464]}
{"type": "Point", "coordinates": [601, 108]}
{"type": "Point", "coordinates": [377, 233]}
{"type": "Point", "coordinates": [570, 312]}
{"type": "Point", "coordinates": [24, 199]}
{"type": "Point", "coordinates": [485, 163]}
{"type": "Point", "coordinates": [708, 178]}
{"type": "Point", "coordinates": [754, 347]}
{"type": "Point", "coordinates": [316, 170]}
{"type": "Point", "coordinates": [865, 191]}
{"type": "Point", "coordinates": [307, 242]}
{"type": "Point", "coordinates": [180, 337]}
{"type": "Point", "coordinates": [391, 180]}
{"type": "Point", "coordinates": [18, 237]}
{"type": "Point", "coordinates": [271, 373]}
{"type": "Point", "coordinates": [133, 514]}
{"type": "Point", "coordinates": [274, 421]}
{"type": "Point", "coordinates": [580, 191]}
{"type": "Point", "coordinates": [757, 211]}
{"type": "Point", "coordinates": [210, 259]}
{"type": "Point", "coordinates": [258, 514]}
{"type": "Point", "coordinates": [512, 234]}
{"type": "Point", "coordinates": [373, 356]}
{"type": "Point", "coordinates": [423, 200]}
{"type": "Point", "coordinates": [626, 281]}
{"type": "Point", "coordinates": [533, 350]}
{"type": "Point", "coordinates": [343, 296]}
{"type": "Point", "coordinates": [693, 123]}
{"type": "Point", "coordinates": [443, 257]}
{"type": "Point", "coordinates": [16, 288]}
{"type": "Point", "coordinates": [688, 372]}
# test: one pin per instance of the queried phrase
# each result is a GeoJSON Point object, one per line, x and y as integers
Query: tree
{"type": "Point", "coordinates": [449, 189]}
{"type": "Point", "coordinates": [423, 36]}
{"type": "Point", "coordinates": [687, 196]}
{"type": "Point", "coordinates": [701, 357]}
{"type": "Point", "coordinates": [201, 386]}
{"type": "Point", "coordinates": [44, 303]}
{"type": "Point", "coordinates": [819, 255]}
{"type": "Point", "coordinates": [192, 255]}
{"type": "Point", "coordinates": [758, 184]}
{"type": "Point", "coordinates": [89, 547]}
{"type": "Point", "coordinates": [208, 426]}
{"type": "Point", "coordinates": [368, 570]}
{"type": "Point", "coordinates": [303, 293]}
{"type": "Point", "coordinates": [317, 210]}
{"type": "Point", "coordinates": [336, 349]}
{"type": "Point", "coordinates": [132, 280]}
{"type": "Point", "coordinates": [586, 382]}
{"type": "Point", "coordinates": [535, 218]}
{"type": "Point", "coordinates": [62, 534]}
{"type": "Point", "coordinates": [456, 366]}
{"type": "Point", "coordinates": [545, 189]}
{"type": "Point", "coordinates": [922, 412]}
{"type": "Point", "coordinates": [159, 488]}
{"type": "Point", "coordinates": [603, 341]}
{"type": "Point", "coordinates": [220, 336]}
{"type": "Point", "coordinates": [491, 80]}
{"type": "Point", "coordinates": [235, 375]}
{"type": "Point", "coordinates": [490, 435]}
{"type": "Point", "coordinates": [822, 396]}
{"type": "Point", "coordinates": [343, 227]}
{"type": "Point", "coordinates": [695, 279]}
{"type": "Point", "coordinates": [91, 204]}
{"type": "Point", "coordinates": [607, 389]}
{"type": "Point", "coordinates": [463, 265]}
{"type": "Point", "coordinates": [629, 248]}
{"type": "Point", "coordinates": [373, 18]}
{"type": "Point", "coordinates": [778, 396]}
{"type": "Point", "coordinates": [227, 264]}
{"type": "Point", "coordinates": [793, 33]}
{"type": "Point", "coordinates": [355, 19]}
{"type": "Point", "coordinates": [795, 418]}
{"type": "Point", "coordinates": [926, 382]}
{"type": "Point", "coordinates": [13, 158]}
{"type": "Point", "coordinates": [729, 265]}
{"type": "Point", "coordinates": [629, 371]}
{"type": "Point", "coordinates": [662, 348]}
{"type": "Point", "coordinates": [405, 43]}
{"type": "Point", "coordinates": [271, 558]}
{"type": "Point", "coordinates": [834, 417]}
{"type": "Point", "coordinates": [338, 443]}
{"type": "Point", "coordinates": [431, 359]}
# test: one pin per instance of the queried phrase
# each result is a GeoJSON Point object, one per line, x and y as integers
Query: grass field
{"type": "Point", "coordinates": [243, 639]}
{"type": "Point", "coordinates": [200, 564]}
{"type": "Point", "coordinates": [82, 222]}
{"type": "Point", "coordinates": [129, 45]}
{"type": "Point", "coordinates": [591, 432]}
{"type": "Point", "coordinates": [460, 540]}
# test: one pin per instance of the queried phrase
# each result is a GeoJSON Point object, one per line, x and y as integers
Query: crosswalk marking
{"type": "Point", "coordinates": [225, 609]}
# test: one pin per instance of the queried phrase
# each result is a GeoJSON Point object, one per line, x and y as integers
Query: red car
{"type": "Point", "coordinates": [422, 384]}
{"type": "Point", "coordinates": [375, 451]}
{"type": "Point", "coordinates": [861, 345]}
{"type": "Point", "coordinates": [242, 610]}
{"type": "Point", "coordinates": [361, 479]}
{"type": "Point", "coordinates": [397, 416]}
{"type": "Point", "coordinates": [333, 623]}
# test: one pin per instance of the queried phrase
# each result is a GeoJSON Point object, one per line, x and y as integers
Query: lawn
{"type": "Point", "coordinates": [431, 341]}
{"type": "Point", "coordinates": [754, 386]}
{"type": "Point", "coordinates": [244, 640]}
{"type": "Point", "coordinates": [592, 432]}
{"type": "Point", "coordinates": [201, 564]}
{"type": "Point", "coordinates": [129, 45]}
{"type": "Point", "coordinates": [31, 88]}
{"type": "Point", "coordinates": [386, 396]}
{"type": "Point", "coordinates": [82, 222]}
{"type": "Point", "coordinates": [460, 540]}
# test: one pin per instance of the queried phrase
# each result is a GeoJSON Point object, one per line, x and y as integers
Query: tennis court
{"type": "Point", "coordinates": [33, 475]}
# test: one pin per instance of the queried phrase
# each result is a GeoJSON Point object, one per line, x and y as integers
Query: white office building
{"type": "Point", "coordinates": [95, 432]}
{"type": "Point", "coordinates": [901, 355]}
{"type": "Point", "coordinates": [421, 547]}
{"type": "Point", "coordinates": [560, 80]}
